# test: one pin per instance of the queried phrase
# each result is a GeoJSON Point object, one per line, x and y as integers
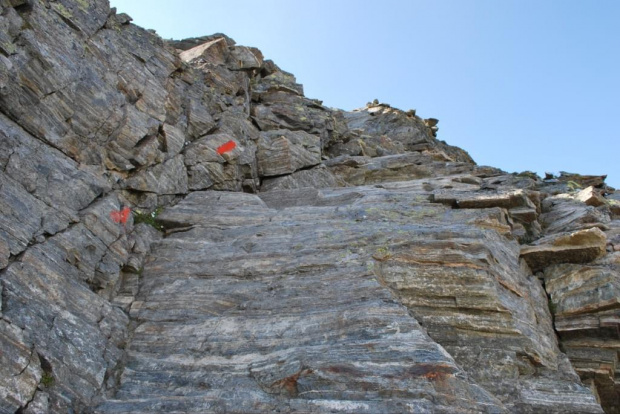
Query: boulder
{"type": "Point", "coordinates": [214, 52]}
{"type": "Point", "coordinates": [591, 197]}
{"type": "Point", "coordinates": [579, 247]}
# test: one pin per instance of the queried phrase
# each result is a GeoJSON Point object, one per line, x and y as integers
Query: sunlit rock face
{"type": "Point", "coordinates": [182, 230]}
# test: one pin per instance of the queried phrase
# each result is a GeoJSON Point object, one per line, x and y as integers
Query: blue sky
{"type": "Point", "coordinates": [519, 84]}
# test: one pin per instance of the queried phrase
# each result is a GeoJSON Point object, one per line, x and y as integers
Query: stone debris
{"type": "Point", "coordinates": [591, 197]}
{"type": "Point", "coordinates": [326, 261]}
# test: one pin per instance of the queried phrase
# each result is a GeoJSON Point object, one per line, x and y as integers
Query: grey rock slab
{"type": "Point", "coordinates": [200, 121]}
{"type": "Point", "coordinates": [21, 219]}
{"type": "Point", "coordinates": [267, 298]}
{"type": "Point", "coordinates": [283, 152]}
{"type": "Point", "coordinates": [485, 199]}
{"type": "Point", "coordinates": [363, 170]}
{"type": "Point", "coordinates": [39, 404]}
{"type": "Point", "coordinates": [174, 140]}
{"type": "Point", "coordinates": [271, 304]}
{"type": "Point", "coordinates": [319, 177]}
{"type": "Point", "coordinates": [20, 368]}
{"type": "Point", "coordinates": [209, 169]}
{"type": "Point", "coordinates": [582, 246]}
{"type": "Point", "coordinates": [104, 72]}
{"type": "Point", "coordinates": [277, 81]}
{"type": "Point", "coordinates": [383, 120]}
{"type": "Point", "coordinates": [48, 174]}
{"type": "Point", "coordinates": [238, 125]}
{"type": "Point", "coordinates": [285, 110]}
{"type": "Point", "coordinates": [584, 299]}
{"type": "Point", "coordinates": [244, 58]}
{"type": "Point", "coordinates": [76, 331]}
{"type": "Point", "coordinates": [384, 123]}
{"type": "Point", "coordinates": [169, 177]}
{"type": "Point", "coordinates": [561, 213]}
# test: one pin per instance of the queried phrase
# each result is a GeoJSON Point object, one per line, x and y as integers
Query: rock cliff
{"type": "Point", "coordinates": [280, 256]}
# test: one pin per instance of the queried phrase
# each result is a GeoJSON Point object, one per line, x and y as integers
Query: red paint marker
{"type": "Point", "coordinates": [120, 216]}
{"type": "Point", "coordinates": [229, 146]}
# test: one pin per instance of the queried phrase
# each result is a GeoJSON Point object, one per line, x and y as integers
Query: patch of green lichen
{"type": "Point", "coordinates": [528, 174]}
{"type": "Point", "coordinates": [409, 215]}
{"type": "Point", "coordinates": [47, 379]}
{"type": "Point", "coordinates": [382, 253]}
{"type": "Point", "coordinates": [149, 218]}
{"type": "Point", "coordinates": [573, 186]}
{"type": "Point", "coordinates": [8, 48]}
{"type": "Point", "coordinates": [83, 4]}
{"type": "Point", "coordinates": [62, 10]}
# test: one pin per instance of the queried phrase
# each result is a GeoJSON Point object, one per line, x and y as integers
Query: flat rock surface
{"type": "Point", "coordinates": [313, 299]}
{"type": "Point", "coordinates": [268, 303]}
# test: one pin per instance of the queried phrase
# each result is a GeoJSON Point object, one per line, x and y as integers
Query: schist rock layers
{"type": "Point", "coordinates": [183, 231]}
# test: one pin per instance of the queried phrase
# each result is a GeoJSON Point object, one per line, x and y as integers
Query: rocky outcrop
{"type": "Point", "coordinates": [324, 261]}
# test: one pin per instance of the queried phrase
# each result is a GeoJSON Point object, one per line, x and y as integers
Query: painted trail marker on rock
{"type": "Point", "coordinates": [120, 216]}
{"type": "Point", "coordinates": [229, 146]}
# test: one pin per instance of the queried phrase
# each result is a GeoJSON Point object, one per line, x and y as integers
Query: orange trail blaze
{"type": "Point", "coordinates": [120, 216]}
{"type": "Point", "coordinates": [229, 146]}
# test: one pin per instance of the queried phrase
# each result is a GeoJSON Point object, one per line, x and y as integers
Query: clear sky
{"type": "Point", "coordinates": [519, 84]}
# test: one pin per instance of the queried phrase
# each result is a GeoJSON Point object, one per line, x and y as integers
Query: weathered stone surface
{"type": "Point", "coordinates": [357, 170]}
{"type": "Point", "coordinates": [597, 181]}
{"type": "Point", "coordinates": [244, 58]}
{"type": "Point", "coordinates": [41, 190]}
{"type": "Point", "coordinates": [140, 240]}
{"type": "Point", "coordinates": [76, 331]}
{"type": "Point", "coordinates": [484, 199]}
{"type": "Point", "coordinates": [382, 120]}
{"type": "Point", "coordinates": [314, 332]}
{"type": "Point", "coordinates": [20, 367]}
{"type": "Point", "coordinates": [561, 213]}
{"type": "Point", "coordinates": [385, 123]}
{"type": "Point", "coordinates": [591, 197]}
{"type": "Point", "coordinates": [213, 52]}
{"type": "Point", "coordinates": [403, 292]}
{"type": "Point", "coordinates": [189, 43]}
{"type": "Point", "coordinates": [167, 178]}
{"type": "Point", "coordinates": [579, 247]}
{"type": "Point", "coordinates": [585, 302]}
{"type": "Point", "coordinates": [39, 405]}
{"type": "Point", "coordinates": [282, 109]}
{"type": "Point", "coordinates": [21, 219]}
{"type": "Point", "coordinates": [319, 177]}
{"type": "Point", "coordinates": [369, 234]}
{"type": "Point", "coordinates": [208, 169]}
{"type": "Point", "coordinates": [277, 81]}
{"type": "Point", "coordinates": [283, 152]}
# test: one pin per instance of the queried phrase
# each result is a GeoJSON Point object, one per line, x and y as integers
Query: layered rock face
{"type": "Point", "coordinates": [327, 261]}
